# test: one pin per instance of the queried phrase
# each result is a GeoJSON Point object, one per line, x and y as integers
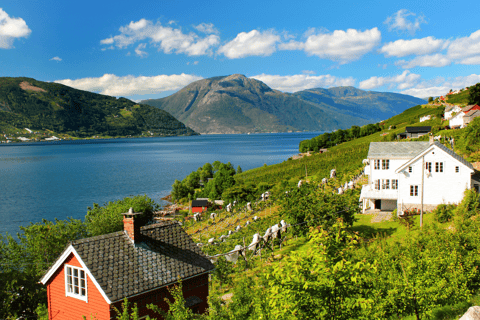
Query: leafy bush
{"type": "Point", "coordinates": [470, 205]}
{"type": "Point", "coordinates": [443, 213]}
{"type": "Point", "coordinates": [102, 220]}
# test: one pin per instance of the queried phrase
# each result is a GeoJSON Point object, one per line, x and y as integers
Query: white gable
{"type": "Point", "coordinates": [61, 260]}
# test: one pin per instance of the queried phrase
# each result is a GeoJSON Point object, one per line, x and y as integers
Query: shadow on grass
{"type": "Point", "coordinates": [369, 232]}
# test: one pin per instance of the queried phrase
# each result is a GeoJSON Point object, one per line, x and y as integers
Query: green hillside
{"type": "Point", "coordinates": [58, 109]}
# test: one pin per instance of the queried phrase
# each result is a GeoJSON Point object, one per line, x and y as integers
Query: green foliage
{"type": "Point", "coordinates": [239, 170]}
{"type": "Point", "coordinates": [42, 312]}
{"type": "Point", "coordinates": [127, 312]}
{"type": "Point", "coordinates": [430, 99]}
{"type": "Point", "coordinates": [330, 139]}
{"type": "Point", "coordinates": [323, 283]}
{"type": "Point", "coordinates": [443, 212]}
{"type": "Point", "coordinates": [470, 205]}
{"type": "Point", "coordinates": [102, 220]}
{"type": "Point", "coordinates": [317, 206]}
{"type": "Point", "coordinates": [80, 113]}
{"type": "Point", "coordinates": [474, 94]}
{"type": "Point", "coordinates": [421, 273]}
{"type": "Point", "coordinates": [177, 309]}
{"type": "Point", "coordinates": [24, 261]}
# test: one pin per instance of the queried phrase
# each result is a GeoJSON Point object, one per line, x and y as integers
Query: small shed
{"type": "Point", "coordinates": [414, 132]}
{"type": "Point", "coordinates": [200, 205]}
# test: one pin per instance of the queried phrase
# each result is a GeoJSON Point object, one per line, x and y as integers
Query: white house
{"type": "Point", "coordinates": [425, 118]}
{"type": "Point", "coordinates": [421, 175]}
{"type": "Point", "coordinates": [462, 118]}
{"type": "Point", "coordinates": [449, 110]}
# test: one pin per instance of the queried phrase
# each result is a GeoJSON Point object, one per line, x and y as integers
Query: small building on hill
{"type": "Point", "coordinates": [414, 132]}
{"type": "Point", "coordinates": [417, 174]}
{"type": "Point", "coordinates": [200, 205]}
{"type": "Point", "coordinates": [450, 111]}
{"type": "Point", "coordinates": [464, 116]}
{"type": "Point", "coordinates": [93, 275]}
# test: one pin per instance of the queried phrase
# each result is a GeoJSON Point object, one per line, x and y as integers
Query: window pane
{"type": "Point", "coordinates": [75, 272]}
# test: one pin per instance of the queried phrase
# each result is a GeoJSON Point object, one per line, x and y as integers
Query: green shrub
{"type": "Point", "coordinates": [443, 213]}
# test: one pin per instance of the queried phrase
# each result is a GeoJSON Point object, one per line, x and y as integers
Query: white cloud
{"type": "Point", "coordinates": [291, 45]}
{"type": "Point", "coordinates": [426, 92]}
{"type": "Point", "coordinates": [194, 63]}
{"type": "Point", "coordinates": [401, 23]}
{"type": "Point", "coordinates": [441, 86]}
{"type": "Point", "coordinates": [139, 52]}
{"type": "Point", "coordinates": [58, 59]}
{"type": "Point", "coordinates": [466, 50]}
{"type": "Point", "coordinates": [110, 84]}
{"type": "Point", "coordinates": [402, 48]}
{"type": "Point", "coordinates": [10, 29]}
{"type": "Point", "coordinates": [253, 43]}
{"type": "Point", "coordinates": [342, 46]}
{"type": "Point", "coordinates": [436, 60]}
{"type": "Point", "coordinates": [207, 28]}
{"type": "Point", "coordinates": [167, 39]}
{"type": "Point", "coordinates": [401, 81]}
{"type": "Point", "coordinates": [300, 82]}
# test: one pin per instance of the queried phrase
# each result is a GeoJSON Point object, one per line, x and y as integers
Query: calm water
{"type": "Point", "coordinates": [61, 180]}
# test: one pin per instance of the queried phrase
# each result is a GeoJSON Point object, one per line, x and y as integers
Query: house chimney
{"type": "Point", "coordinates": [430, 138]}
{"type": "Point", "coordinates": [132, 224]}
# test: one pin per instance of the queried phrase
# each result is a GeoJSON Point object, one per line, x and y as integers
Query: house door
{"type": "Point", "coordinates": [378, 204]}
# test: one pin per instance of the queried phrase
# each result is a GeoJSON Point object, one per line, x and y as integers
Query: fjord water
{"type": "Point", "coordinates": [60, 180]}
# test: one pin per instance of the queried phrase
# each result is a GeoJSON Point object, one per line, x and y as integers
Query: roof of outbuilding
{"type": "Point", "coordinates": [123, 269]}
{"type": "Point", "coordinates": [200, 203]}
{"type": "Point", "coordinates": [396, 149]}
{"type": "Point", "coordinates": [418, 129]}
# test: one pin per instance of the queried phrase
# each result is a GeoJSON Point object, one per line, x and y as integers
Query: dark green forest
{"type": "Point", "coordinates": [42, 105]}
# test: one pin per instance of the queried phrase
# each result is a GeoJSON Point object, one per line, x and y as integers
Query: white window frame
{"type": "Point", "coordinates": [377, 184]}
{"type": "Point", "coordinates": [410, 169]}
{"type": "Point", "coordinates": [376, 164]}
{"type": "Point", "coordinates": [438, 166]}
{"type": "Point", "coordinates": [394, 184]}
{"type": "Point", "coordinates": [428, 166]}
{"type": "Point", "coordinates": [385, 184]}
{"type": "Point", "coordinates": [413, 191]}
{"type": "Point", "coordinates": [385, 164]}
{"type": "Point", "coordinates": [69, 288]}
{"type": "Point", "coordinates": [457, 169]}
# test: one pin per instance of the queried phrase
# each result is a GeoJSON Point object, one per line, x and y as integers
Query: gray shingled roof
{"type": "Point", "coordinates": [396, 149]}
{"type": "Point", "coordinates": [454, 155]}
{"type": "Point", "coordinates": [123, 269]}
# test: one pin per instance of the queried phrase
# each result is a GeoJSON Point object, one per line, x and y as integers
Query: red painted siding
{"type": "Point", "coordinates": [198, 209]}
{"type": "Point", "coordinates": [61, 307]}
{"type": "Point", "coordinates": [197, 286]}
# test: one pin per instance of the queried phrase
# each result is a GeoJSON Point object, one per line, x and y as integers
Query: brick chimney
{"type": "Point", "coordinates": [132, 224]}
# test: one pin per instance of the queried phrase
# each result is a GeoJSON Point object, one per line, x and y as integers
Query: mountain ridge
{"type": "Point", "coordinates": [237, 104]}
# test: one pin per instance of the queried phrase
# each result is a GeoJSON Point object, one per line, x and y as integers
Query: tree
{"type": "Point", "coordinates": [318, 207]}
{"type": "Point", "coordinates": [176, 308]}
{"type": "Point", "coordinates": [108, 218]}
{"type": "Point", "coordinates": [239, 170]}
{"type": "Point", "coordinates": [430, 99]}
{"type": "Point", "coordinates": [325, 282]}
{"type": "Point", "coordinates": [474, 92]}
{"type": "Point", "coordinates": [24, 261]}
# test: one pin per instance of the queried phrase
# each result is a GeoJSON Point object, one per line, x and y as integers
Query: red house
{"type": "Point", "coordinates": [200, 205]}
{"type": "Point", "coordinates": [94, 275]}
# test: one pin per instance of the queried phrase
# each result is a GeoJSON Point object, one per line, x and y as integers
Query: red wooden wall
{"type": "Point", "coordinates": [61, 307]}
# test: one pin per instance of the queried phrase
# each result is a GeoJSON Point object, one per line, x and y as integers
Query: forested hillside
{"type": "Point", "coordinates": [28, 103]}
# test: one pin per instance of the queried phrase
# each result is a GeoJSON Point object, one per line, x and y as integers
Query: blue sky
{"type": "Point", "coordinates": [150, 49]}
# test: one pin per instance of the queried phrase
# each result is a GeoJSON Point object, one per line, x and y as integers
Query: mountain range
{"type": "Point", "coordinates": [28, 103]}
{"type": "Point", "coordinates": [237, 104]}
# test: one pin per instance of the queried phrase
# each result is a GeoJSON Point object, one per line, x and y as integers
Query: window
{"type": "Point", "coordinates": [410, 169]}
{"type": "Point", "coordinates": [438, 166]}
{"type": "Point", "coordinates": [385, 183]}
{"type": "Point", "coordinates": [413, 191]}
{"type": "Point", "coordinates": [385, 164]}
{"type": "Point", "coordinates": [394, 184]}
{"type": "Point", "coordinates": [377, 184]}
{"type": "Point", "coordinates": [75, 282]}
{"type": "Point", "coordinates": [428, 166]}
{"type": "Point", "coordinates": [457, 169]}
{"type": "Point", "coordinates": [376, 164]}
